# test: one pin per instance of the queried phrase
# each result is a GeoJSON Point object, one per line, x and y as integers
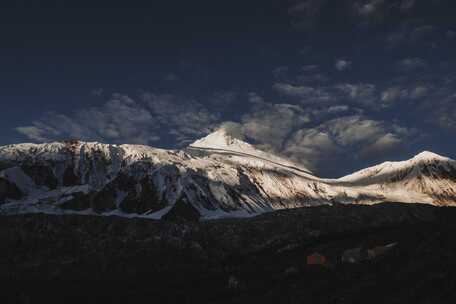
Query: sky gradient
{"type": "Point", "coordinates": [335, 85]}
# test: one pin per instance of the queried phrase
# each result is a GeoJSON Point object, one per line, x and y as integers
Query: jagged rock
{"type": "Point", "coordinates": [142, 198]}
{"type": "Point", "coordinates": [70, 178]}
{"type": "Point", "coordinates": [104, 200]}
{"type": "Point", "coordinates": [41, 174]}
{"type": "Point", "coordinates": [182, 211]}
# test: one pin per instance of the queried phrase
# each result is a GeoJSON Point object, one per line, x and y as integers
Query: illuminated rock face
{"type": "Point", "coordinates": [217, 176]}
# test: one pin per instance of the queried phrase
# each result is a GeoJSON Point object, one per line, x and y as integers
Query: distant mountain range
{"type": "Point", "coordinates": [217, 176]}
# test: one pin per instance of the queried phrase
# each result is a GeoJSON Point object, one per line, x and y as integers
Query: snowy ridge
{"type": "Point", "coordinates": [427, 177]}
{"type": "Point", "coordinates": [392, 167]}
{"type": "Point", "coordinates": [217, 176]}
{"type": "Point", "coordinates": [219, 142]}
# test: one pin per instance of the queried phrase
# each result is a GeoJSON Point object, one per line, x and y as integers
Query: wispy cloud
{"type": "Point", "coordinates": [411, 64]}
{"type": "Point", "coordinates": [342, 64]}
{"type": "Point", "coordinates": [332, 140]}
{"type": "Point", "coordinates": [122, 119]}
{"type": "Point", "coordinates": [368, 8]}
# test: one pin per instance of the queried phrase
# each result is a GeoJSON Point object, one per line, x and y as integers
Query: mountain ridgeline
{"type": "Point", "coordinates": [215, 177]}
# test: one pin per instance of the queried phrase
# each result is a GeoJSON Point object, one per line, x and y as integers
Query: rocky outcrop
{"type": "Point", "coordinates": [182, 211]}
{"type": "Point", "coordinates": [70, 178]}
{"type": "Point", "coordinates": [9, 191]}
{"type": "Point", "coordinates": [41, 174]}
{"type": "Point", "coordinates": [142, 198]}
{"type": "Point", "coordinates": [104, 200]}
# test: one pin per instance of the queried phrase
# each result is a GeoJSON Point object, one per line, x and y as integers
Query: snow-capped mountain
{"type": "Point", "coordinates": [427, 178]}
{"type": "Point", "coordinates": [217, 176]}
{"type": "Point", "coordinates": [221, 143]}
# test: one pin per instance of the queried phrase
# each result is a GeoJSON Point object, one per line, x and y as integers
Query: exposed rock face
{"type": "Point", "coordinates": [104, 200]}
{"type": "Point", "coordinates": [70, 178]}
{"type": "Point", "coordinates": [41, 174]}
{"type": "Point", "coordinates": [144, 198]}
{"type": "Point", "coordinates": [9, 190]}
{"type": "Point", "coordinates": [182, 211]}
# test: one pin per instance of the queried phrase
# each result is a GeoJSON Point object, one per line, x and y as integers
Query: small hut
{"type": "Point", "coordinates": [380, 250]}
{"type": "Point", "coordinates": [317, 259]}
{"type": "Point", "coordinates": [354, 255]}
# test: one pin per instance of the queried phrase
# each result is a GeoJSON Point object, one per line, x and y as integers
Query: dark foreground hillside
{"type": "Point", "coordinates": [85, 259]}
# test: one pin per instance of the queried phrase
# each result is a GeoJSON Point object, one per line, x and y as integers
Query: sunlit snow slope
{"type": "Point", "coordinates": [217, 176]}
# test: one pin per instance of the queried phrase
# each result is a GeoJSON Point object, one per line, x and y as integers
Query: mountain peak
{"type": "Point", "coordinates": [427, 155]}
{"type": "Point", "coordinates": [387, 169]}
{"type": "Point", "coordinates": [220, 139]}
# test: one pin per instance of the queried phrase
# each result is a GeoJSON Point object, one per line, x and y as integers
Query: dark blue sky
{"type": "Point", "coordinates": [336, 85]}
